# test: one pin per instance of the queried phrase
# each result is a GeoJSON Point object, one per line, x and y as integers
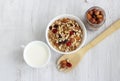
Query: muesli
{"type": "Point", "coordinates": [65, 34]}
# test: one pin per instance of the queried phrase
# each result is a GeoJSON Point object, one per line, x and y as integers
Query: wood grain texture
{"type": "Point", "coordinates": [75, 58]}
{"type": "Point", "coordinates": [22, 21]}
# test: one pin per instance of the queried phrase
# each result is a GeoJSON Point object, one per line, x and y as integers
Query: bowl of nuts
{"type": "Point", "coordinates": [95, 17]}
{"type": "Point", "coordinates": [66, 34]}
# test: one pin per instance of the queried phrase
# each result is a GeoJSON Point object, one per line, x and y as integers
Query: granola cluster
{"type": "Point", "coordinates": [65, 35]}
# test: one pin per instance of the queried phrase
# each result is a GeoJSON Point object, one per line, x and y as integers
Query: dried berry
{"type": "Point", "coordinates": [59, 36]}
{"type": "Point", "coordinates": [69, 64]}
{"type": "Point", "coordinates": [68, 43]}
{"type": "Point", "coordinates": [54, 30]}
{"type": "Point", "coordinates": [56, 26]}
{"type": "Point", "coordinates": [71, 32]}
{"type": "Point", "coordinates": [50, 27]}
{"type": "Point", "coordinates": [64, 41]}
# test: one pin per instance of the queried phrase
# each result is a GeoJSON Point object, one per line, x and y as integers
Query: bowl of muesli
{"type": "Point", "coordinates": [66, 34]}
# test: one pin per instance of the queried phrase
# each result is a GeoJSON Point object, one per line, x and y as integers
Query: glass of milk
{"type": "Point", "coordinates": [37, 54]}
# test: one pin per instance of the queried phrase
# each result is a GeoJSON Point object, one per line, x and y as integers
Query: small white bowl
{"type": "Point", "coordinates": [33, 59]}
{"type": "Point", "coordinates": [78, 21]}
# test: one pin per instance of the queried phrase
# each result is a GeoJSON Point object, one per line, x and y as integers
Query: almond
{"type": "Point", "coordinates": [89, 16]}
{"type": "Point", "coordinates": [99, 16]}
{"type": "Point", "coordinates": [97, 12]}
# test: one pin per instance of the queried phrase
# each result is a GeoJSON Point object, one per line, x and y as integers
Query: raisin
{"type": "Point", "coordinates": [55, 26]}
{"type": "Point", "coordinates": [68, 43]}
{"type": "Point", "coordinates": [71, 24]}
{"type": "Point", "coordinates": [50, 27]}
{"type": "Point", "coordinates": [60, 36]}
{"type": "Point", "coordinates": [64, 41]}
{"type": "Point", "coordinates": [60, 42]}
{"type": "Point", "coordinates": [71, 32]}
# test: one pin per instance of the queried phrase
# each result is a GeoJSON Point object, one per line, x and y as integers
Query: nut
{"type": "Point", "coordinates": [92, 20]}
{"type": "Point", "coordinates": [90, 12]}
{"type": "Point", "coordinates": [64, 64]}
{"type": "Point", "coordinates": [95, 16]}
{"type": "Point", "coordinates": [97, 12]}
{"type": "Point", "coordinates": [89, 16]}
{"type": "Point", "coordinates": [99, 16]}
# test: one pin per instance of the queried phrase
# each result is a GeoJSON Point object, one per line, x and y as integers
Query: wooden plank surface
{"type": "Point", "coordinates": [22, 21]}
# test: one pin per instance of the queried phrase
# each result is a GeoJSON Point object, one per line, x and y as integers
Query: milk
{"type": "Point", "coordinates": [36, 54]}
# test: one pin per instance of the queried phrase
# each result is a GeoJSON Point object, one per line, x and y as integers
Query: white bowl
{"type": "Point", "coordinates": [78, 21]}
{"type": "Point", "coordinates": [33, 59]}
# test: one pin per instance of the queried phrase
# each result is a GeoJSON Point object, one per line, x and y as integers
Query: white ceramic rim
{"type": "Point", "coordinates": [71, 17]}
{"type": "Point", "coordinates": [40, 42]}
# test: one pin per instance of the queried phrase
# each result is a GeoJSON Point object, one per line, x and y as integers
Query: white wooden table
{"type": "Point", "coordinates": [22, 21]}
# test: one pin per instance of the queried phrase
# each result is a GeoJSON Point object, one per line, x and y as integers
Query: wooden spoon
{"type": "Point", "coordinates": [76, 57]}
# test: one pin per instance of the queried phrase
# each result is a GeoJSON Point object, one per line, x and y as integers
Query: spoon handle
{"type": "Point", "coordinates": [115, 26]}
